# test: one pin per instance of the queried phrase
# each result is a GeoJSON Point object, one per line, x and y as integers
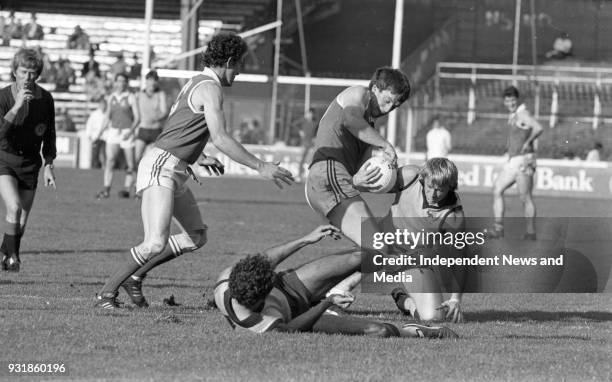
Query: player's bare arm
{"type": "Point", "coordinates": [209, 96]}
{"type": "Point", "coordinates": [355, 104]}
{"type": "Point", "coordinates": [454, 222]}
{"type": "Point", "coordinates": [536, 127]}
{"type": "Point", "coordinates": [279, 253]}
{"type": "Point", "coordinates": [20, 99]}
{"type": "Point", "coordinates": [135, 113]}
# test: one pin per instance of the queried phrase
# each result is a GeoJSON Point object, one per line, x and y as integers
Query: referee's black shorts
{"type": "Point", "coordinates": [24, 169]}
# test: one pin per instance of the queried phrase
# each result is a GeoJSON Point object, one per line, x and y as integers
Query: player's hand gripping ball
{"type": "Point", "coordinates": [388, 174]}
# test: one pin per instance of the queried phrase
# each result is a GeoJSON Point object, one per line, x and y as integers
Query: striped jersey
{"type": "Point", "coordinates": [186, 132]}
{"type": "Point", "coordinates": [518, 132]}
{"type": "Point", "coordinates": [335, 141]}
{"type": "Point", "coordinates": [276, 308]}
{"type": "Point", "coordinates": [410, 211]}
{"type": "Point", "coordinates": [120, 110]}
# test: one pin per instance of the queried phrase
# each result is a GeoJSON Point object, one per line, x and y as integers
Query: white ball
{"type": "Point", "coordinates": [388, 171]}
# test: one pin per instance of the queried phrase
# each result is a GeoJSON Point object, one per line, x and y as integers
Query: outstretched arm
{"type": "Point", "coordinates": [209, 96]}
{"type": "Point", "coordinates": [280, 252]}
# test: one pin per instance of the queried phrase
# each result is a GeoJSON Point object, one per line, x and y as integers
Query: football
{"type": "Point", "coordinates": [388, 171]}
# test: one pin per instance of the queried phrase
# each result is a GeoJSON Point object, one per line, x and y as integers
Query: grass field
{"type": "Point", "coordinates": [74, 241]}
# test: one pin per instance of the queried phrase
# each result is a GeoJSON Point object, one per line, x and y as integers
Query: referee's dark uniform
{"type": "Point", "coordinates": [21, 141]}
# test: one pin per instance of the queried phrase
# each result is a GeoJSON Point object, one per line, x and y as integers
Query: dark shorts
{"type": "Point", "coordinates": [24, 169]}
{"type": "Point", "coordinates": [328, 184]}
{"type": "Point", "coordinates": [148, 135]}
{"type": "Point", "coordinates": [299, 298]}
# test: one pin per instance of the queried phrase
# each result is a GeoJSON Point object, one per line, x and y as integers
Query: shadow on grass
{"type": "Point", "coordinates": [69, 251]}
{"type": "Point", "coordinates": [540, 338]}
{"type": "Point", "coordinates": [536, 315]}
{"type": "Point", "coordinates": [250, 201]}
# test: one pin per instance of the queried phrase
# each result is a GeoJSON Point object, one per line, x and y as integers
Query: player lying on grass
{"type": "Point", "coordinates": [425, 200]}
{"type": "Point", "coordinates": [252, 296]}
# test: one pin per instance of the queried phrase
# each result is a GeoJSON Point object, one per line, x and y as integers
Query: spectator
{"type": "Point", "coordinates": [65, 76]}
{"type": "Point", "coordinates": [4, 36]}
{"type": "Point", "coordinates": [562, 47]}
{"type": "Point", "coordinates": [33, 30]}
{"type": "Point", "coordinates": [252, 133]}
{"type": "Point", "coordinates": [119, 66]}
{"type": "Point", "coordinates": [49, 70]}
{"type": "Point", "coordinates": [308, 130]}
{"type": "Point", "coordinates": [78, 39]}
{"type": "Point", "coordinates": [14, 28]}
{"type": "Point", "coordinates": [594, 155]}
{"type": "Point", "coordinates": [136, 68]}
{"type": "Point", "coordinates": [91, 65]}
{"type": "Point", "coordinates": [94, 86]}
{"type": "Point", "coordinates": [63, 121]}
{"type": "Point", "coordinates": [438, 140]}
{"type": "Point", "coordinates": [94, 129]}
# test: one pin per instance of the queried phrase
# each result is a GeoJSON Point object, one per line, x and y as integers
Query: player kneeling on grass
{"type": "Point", "coordinates": [425, 201]}
{"type": "Point", "coordinates": [252, 296]}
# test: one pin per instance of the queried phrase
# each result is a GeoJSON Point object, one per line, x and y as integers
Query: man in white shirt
{"type": "Point", "coordinates": [94, 129]}
{"type": "Point", "coordinates": [438, 140]}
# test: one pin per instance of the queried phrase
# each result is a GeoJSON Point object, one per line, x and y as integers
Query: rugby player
{"type": "Point", "coordinates": [196, 116]}
{"type": "Point", "coordinates": [344, 139]}
{"type": "Point", "coordinates": [122, 118]}
{"type": "Point", "coordinates": [523, 129]}
{"type": "Point", "coordinates": [253, 297]}
{"type": "Point", "coordinates": [27, 124]}
{"type": "Point", "coordinates": [425, 201]}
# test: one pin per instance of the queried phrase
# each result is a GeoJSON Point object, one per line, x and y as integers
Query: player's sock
{"type": "Point", "coordinates": [134, 261]}
{"type": "Point", "coordinates": [394, 330]}
{"type": "Point", "coordinates": [498, 226]}
{"type": "Point", "coordinates": [177, 245]}
{"type": "Point", "coordinates": [404, 302]}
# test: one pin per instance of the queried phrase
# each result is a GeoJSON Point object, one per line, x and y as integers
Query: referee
{"type": "Point", "coordinates": [27, 124]}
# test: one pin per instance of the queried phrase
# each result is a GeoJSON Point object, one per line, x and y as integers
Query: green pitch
{"type": "Point", "coordinates": [74, 242]}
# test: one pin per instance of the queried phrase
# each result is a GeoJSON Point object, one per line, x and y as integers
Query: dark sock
{"type": "Point", "coordinates": [10, 244]}
{"type": "Point", "coordinates": [392, 329]}
{"type": "Point", "coordinates": [133, 261]}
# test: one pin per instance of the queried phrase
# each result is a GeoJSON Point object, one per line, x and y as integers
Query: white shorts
{"type": "Point", "coordinates": [521, 164]}
{"type": "Point", "coordinates": [115, 136]}
{"type": "Point", "coordinates": [160, 168]}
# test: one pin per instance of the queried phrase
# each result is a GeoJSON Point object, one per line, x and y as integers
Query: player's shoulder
{"type": "Point", "coordinates": [522, 111]}
{"type": "Point", "coordinates": [353, 96]}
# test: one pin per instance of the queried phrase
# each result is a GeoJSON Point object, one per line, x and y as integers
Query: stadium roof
{"type": "Point", "coordinates": [243, 12]}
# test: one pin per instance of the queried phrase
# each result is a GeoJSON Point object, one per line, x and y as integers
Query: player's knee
{"type": "Point", "coordinates": [376, 329]}
{"type": "Point", "coordinates": [354, 259]}
{"type": "Point", "coordinates": [13, 210]}
{"type": "Point", "coordinates": [152, 247]}
{"type": "Point", "coordinates": [428, 315]}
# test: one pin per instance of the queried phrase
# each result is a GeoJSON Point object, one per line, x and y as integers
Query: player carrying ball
{"type": "Point", "coordinates": [196, 116]}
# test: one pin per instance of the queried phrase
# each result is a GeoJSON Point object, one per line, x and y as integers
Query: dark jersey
{"type": "Point", "coordinates": [33, 127]}
{"type": "Point", "coordinates": [335, 141]}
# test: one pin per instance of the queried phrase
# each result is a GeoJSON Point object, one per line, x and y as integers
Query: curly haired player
{"type": "Point", "coordinates": [254, 297]}
{"type": "Point", "coordinates": [196, 116]}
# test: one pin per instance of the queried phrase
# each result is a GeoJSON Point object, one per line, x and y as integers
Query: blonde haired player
{"type": "Point", "coordinates": [196, 116]}
{"type": "Point", "coordinates": [425, 201]}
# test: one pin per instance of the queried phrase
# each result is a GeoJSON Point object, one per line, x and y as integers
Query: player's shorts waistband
{"type": "Point", "coordinates": [165, 158]}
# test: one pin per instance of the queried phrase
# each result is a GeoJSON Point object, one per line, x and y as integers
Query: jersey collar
{"type": "Point", "coordinates": [211, 73]}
